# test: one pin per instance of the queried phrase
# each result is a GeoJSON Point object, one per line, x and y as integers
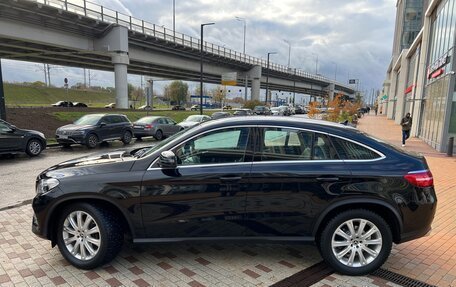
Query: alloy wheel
{"type": "Point", "coordinates": [81, 235]}
{"type": "Point", "coordinates": [356, 242]}
{"type": "Point", "coordinates": [34, 147]}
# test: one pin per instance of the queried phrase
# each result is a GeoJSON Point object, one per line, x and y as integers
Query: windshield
{"type": "Point", "coordinates": [194, 118]}
{"type": "Point", "coordinates": [275, 109]}
{"type": "Point", "coordinates": [88, 120]}
{"type": "Point", "coordinates": [163, 143]}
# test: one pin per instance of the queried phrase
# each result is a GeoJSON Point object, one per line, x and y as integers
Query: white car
{"type": "Point", "coordinates": [276, 111]}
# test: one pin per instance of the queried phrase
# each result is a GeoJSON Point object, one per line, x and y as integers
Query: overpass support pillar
{"type": "Point", "coordinates": [121, 61]}
{"type": "Point", "coordinates": [332, 87]}
{"type": "Point", "coordinates": [255, 76]}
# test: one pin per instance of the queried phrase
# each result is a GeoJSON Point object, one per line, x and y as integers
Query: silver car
{"type": "Point", "coordinates": [158, 127]}
{"type": "Point", "coordinates": [194, 120]}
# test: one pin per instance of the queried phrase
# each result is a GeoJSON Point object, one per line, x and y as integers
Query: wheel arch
{"type": "Point", "coordinates": [386, 211]}
{"type": "Point", "coordinates": [33, 137]}
{"type": "Point", "coordinates": [57, 208]}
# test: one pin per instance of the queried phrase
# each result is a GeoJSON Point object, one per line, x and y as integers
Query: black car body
{"type": "Point", "coordinates": [79, 105]}
{"type": "Point", "coordinates": [93, 129]}
{"type": "Point", "coordinates": [243, 112]}
{"type": "Point", "coordinates": [14, 140]}
{"type": "Point", "coordinates": [178, 108]}
{"type": "Point", "coordinates": [251, 178]}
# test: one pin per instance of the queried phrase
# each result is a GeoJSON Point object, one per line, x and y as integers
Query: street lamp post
{"type": "Point", "coordinates": [267, 77]}
{"type": "Point", "coordinates": [174, 20]}
{"type": "Point", "coordinates": [289, 52]}
{"type": "Point", "coordinates": [335, 72]}
{"type": "Point", "coordinates": [294, 86]}
{"type": "Point", "coordinates": [245, 30]}
{"type": "Point", "coordinates": [201, 65]}
{"type": "Point", "coordinates": [316, 63]}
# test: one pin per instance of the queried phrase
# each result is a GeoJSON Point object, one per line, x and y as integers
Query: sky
{"type": "Point", "coordinates": [353, 36]}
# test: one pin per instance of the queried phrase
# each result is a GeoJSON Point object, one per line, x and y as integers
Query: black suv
{"type": "Point", "coordinates": [262, 110]}
{"type": "Point", "coordinates": [90, 130]}
{"type": "Point", "coordinates": [257, 178]}
{"type": "Point", "coordinates": [14, 140]}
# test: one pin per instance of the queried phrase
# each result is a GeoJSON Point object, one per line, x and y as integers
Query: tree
{"type": "Point", "coordinates": [176, 92]}
{"type": "Point", "coordinates": [219, 94]}
{"type": "Point", "coordinates": [238, 100]}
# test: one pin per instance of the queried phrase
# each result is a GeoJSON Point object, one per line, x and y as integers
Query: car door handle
{"type": "Point", "coordinates": [231, 178]}
{"type": "Point", "coordinates": [327, 179]}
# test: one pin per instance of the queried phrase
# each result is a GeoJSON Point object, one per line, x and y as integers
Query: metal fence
{"type": "Point", "coordinates": [106, 15]}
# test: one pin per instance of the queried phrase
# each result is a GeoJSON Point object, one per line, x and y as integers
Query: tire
{"type": "Point", "coordinates": [34, 147]}
{"type": "Point", "coordinates": [158, 135]}
{"type": "Point", "coordinates": [380, 242]}
{"type": "Point", "coordinates": [108, 234]}
{"type": "Point", "coordinates": [127, 136]}
{"type": "Point", "coordinates": [92, 141]}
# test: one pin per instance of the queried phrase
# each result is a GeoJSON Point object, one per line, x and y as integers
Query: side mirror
{"type": "Point", "coordinates": [168, 160]}
{"type": "Point", "coordinates": [13, 128]}
{"type": "Point", "coordinates": [102, 124]}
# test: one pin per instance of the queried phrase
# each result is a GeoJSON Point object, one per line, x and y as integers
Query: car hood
{"type": "Point", "coordinates": [188, 124]}
{"type": "Point", "coordinates": [32, 132]}
{"type": "Point", "coordinates": [73, 127]}
{"type": "Point", "coordinates": [107, 162]}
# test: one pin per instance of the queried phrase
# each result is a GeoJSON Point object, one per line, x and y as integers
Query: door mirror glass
{"type": "Point", "coordinates": [102, 124]}
{"type": "Point", "coordinates": [168, 160]}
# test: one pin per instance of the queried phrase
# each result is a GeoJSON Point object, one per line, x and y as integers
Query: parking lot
{"type": "Point", "coordinates": [26, 260]}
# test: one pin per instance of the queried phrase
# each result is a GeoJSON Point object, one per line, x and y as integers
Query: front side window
{"type": "Point", "coordinates": [221, 146]}
{"type": "Point", "coordinates": [4, 127]}
{"type": "Point", "coordinates": [352, 151]}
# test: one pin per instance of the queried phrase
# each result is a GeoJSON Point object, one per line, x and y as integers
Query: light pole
{"type": "Point", "coordinates": [245, 30]}
{"type": "Point", "coordinates": [174, 20]}
{"type": "Point", "coordinates": [267, 77]}
{"type": "Point", "coordinates": [201, 65]}
{"type": "Point", "coordinates": [294, 86]}
{"type": "Point", "coordinates": [335, 72]}
{"type": "Point", "coordinates": [316, 63]}
{"type": "Point", "coordinates": [289, 52]}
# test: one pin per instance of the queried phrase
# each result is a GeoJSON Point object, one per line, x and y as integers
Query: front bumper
{"type": "Point", "coordinates": [79, 139]}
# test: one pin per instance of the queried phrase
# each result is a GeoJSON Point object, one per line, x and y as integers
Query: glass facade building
{"type": "Point", "coordinates": [413, 14]}
{"type": "Point", "coordinates": [438, 120]}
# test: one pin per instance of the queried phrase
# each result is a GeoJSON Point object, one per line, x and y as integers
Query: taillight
{"type": "Point", "coordinates": [148, 126]}
{"type": "Point", "coordinates": [420, 178]}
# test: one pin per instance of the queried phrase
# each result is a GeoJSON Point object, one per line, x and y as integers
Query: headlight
{"type": "Point", "coordinates": [46, 185]}
{"type": "Point", "coordinates": [75, 133]}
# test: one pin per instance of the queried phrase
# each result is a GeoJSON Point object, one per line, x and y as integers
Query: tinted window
{"type": "Point", "coordinates": [170, 121]}
{"type": "Point", "coordinates": [286, 144]}
{"type": "Point", "coordinates": [109, 119]}
{"type": "Point", "coordinates": [4, 127]}
{"type": "Point", "coordinates": [222, 146]}
{"type": "Point", "coordinates": [322, 149]}
{"type": "Point", "coordinates": [162, 121]}
{"type": "Point", "coordinates": [351, 150]}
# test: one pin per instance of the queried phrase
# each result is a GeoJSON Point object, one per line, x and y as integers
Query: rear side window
{"type": "Point", "coordinates": [350, 150]}
{"type": "Point", "coordinates": [286, 144]}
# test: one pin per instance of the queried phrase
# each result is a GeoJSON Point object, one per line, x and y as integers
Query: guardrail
{"type": "Point", "coordinates": [103, 14]}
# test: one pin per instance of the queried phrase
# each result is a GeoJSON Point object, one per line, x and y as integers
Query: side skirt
{"type": "Point", "coordinates": [240, 238]}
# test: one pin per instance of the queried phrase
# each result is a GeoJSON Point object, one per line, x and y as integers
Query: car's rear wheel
{"type": "Point", "coordinates": [356, 242]}
{"type": "Point", "coordinates": [34, 147]}
{"type": "Point", "coordinates": [127, 136]}
{"type": "Point", "coordinates": [92, 141]}
{"type": "Point", "coordinates": [158, 135]}
{"type": "Point", "coordinates": [88, 236]}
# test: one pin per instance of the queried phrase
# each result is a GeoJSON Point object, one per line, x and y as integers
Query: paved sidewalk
{"type": "Point", "coordinates": [430, 259]}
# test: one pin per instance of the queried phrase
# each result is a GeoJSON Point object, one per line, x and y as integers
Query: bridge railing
{"type": "Point", "coordinates": [103, 14]}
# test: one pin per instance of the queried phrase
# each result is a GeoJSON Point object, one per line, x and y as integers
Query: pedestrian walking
{"type": "Point", "coordinates": [406, 124]}
{"type": "Point", "coordinates": [376, 109]}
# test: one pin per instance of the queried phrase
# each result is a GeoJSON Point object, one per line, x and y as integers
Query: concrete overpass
{"type": "Point", "coordinates": [82, 34]}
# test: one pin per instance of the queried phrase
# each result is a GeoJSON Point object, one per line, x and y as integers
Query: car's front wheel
{"type": "Point", "coordinates": [92, 141]}
{"type": "Point", "coordinates": [88, 236]}
{"type": "Point", "coordinates": [34, 147]}
{"type": "Point", "coordinates": [356, 242]}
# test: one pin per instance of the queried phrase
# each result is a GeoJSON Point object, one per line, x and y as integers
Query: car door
{"type": "Point", "coordinates": [162, 125]}
{"type": "Point", "coordinates": [295, 174]}
{"type": "Point", "coordinates": [172, 127]}
{"type": "Point", "coordinates": [205, 195]}
{"type": "Point", "coordinates": [10, 140]}
{"type": "Point", "coordinates": [106, 131]}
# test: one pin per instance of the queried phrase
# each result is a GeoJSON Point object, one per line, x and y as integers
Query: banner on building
{"type": "Point", "coordinates": [229, 79]}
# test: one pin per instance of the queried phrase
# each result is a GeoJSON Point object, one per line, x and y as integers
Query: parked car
{"type": "Point", "coordinates": [195, 108]}
{"type": "Point", "coordinates": [243, 112]}
{"type": "Point", "coordinates": [220, 115]}
{"type": "Point", "coordinates": [158, 127]}
{"type": "Point", "coordinates": [14, 140]}
{"type": "Point", "coordinates": [251, 177]}
{"type": "Point", "coordinates": [285, 110]}
{"type": "Point", "coordinates": [194, 120]}
{"type": "Point", "coordinates": [262, 110]}
{"type": "Point", "coordinates": [227, 107]}
{"type": "Point", "coordinates": [178, 108]}
{"type": "Point", "coordinates": [145, 107]}
{"type": "Point", "coordinates": [299, 110]}
{"type": "Point", "coordinates": [276, 111]}
{"type": "Point", "coordinates": [63, 104]}
{"type": "Point", "coordinates": [79, 105]}
{"type": "Point", "coordinates": [110, 106]}
{"type": "Point", "coordinates": [92, 129]}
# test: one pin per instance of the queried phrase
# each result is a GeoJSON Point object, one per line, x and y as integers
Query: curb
{"type": "Point", "coordinates": [16, 205]}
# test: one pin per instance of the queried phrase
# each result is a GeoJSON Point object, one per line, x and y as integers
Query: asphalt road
{"type": "Point", "coordinates": [18, 173]}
